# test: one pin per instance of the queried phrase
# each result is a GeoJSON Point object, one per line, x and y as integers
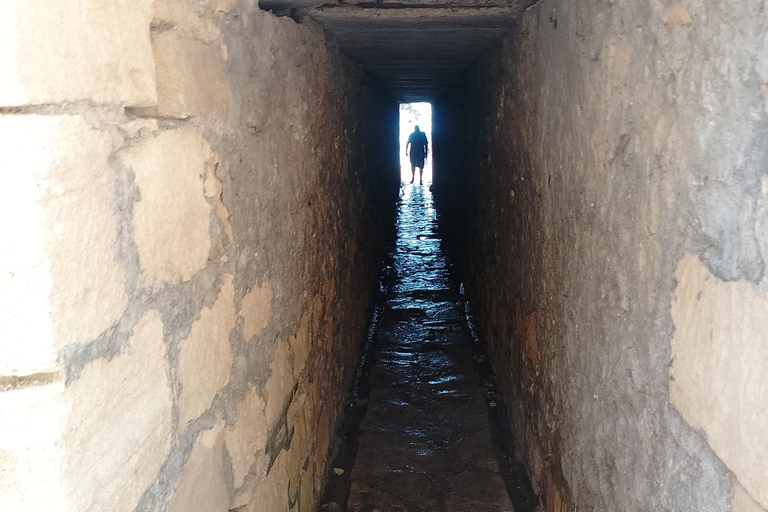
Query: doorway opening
{"type": "Point", "coordinates": [411, 115]}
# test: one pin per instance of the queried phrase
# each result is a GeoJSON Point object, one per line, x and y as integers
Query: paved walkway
{"type": "Point", "coordinates": [425, 440]}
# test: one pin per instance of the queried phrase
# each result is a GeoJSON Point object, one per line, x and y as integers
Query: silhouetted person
{"type": "Point", "coordinates": [417, 147]}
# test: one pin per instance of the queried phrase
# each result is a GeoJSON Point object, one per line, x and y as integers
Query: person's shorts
{"type": "Point", "coordinates": [417, 161]}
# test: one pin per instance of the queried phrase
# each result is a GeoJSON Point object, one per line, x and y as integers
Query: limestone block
{"type": "Point", "coordinates": [61, 282]}
{"type": "Point", "coordinates": [247, 438]}
{"type": "Point", "coordinates": [719, 372]}
{"type": "Point", "coordinates": [256, 310]}
{"type": "Point", "coordinates": [189, 76]}
{"type": "Point", "coordinates": [183, 17]}
{"type": "Point", "coordinates": [33, 419]}
{"type": "Point", "coordinates": [74, 50]}
{"type": "Point", "coordinates": [171, 222]}
{"type": "Point", "coordinates": [202, 485]}
{"type": "Point", "coordinates": [96, 445]}
{"type": "Point", "coordinates": [205, 356]}
{"type": "Point", "coordinates": [119, 428]}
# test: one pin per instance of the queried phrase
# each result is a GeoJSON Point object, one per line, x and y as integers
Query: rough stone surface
{"type": "Point", "coordinates": [189, 76]}
{"type": "Point", "coordinates": [718, 380]}
{"type": "Point", "coordinates": [169, 169]}
{"type": "Point", "coordinates": [202, 485]}
{"type": "Point", "coordinates": [205, 356]}
{"type": "Point", "coordinates": [575, 166]}
{"type": "Point", "coordinates": [88, 288]}
{"type": "Point", "coordinates": [256, 310]}
{"type": "Point", "coordinates": [61, 280]}
{"type": "Point", "coordinates": [280, 383]}
{"type": "Point", "coordinates": [272, 490]}
{"type": "Point", "coordinates": [184, 18]}
{"type": "Point", "coordinates": [118, 431]}
{"type": "Point", "coordinates": [268, 166]}
{"type": "Point", "coordinates": [300, 345]}
{"type": "Point", "coordinates": [76, 50]}
{"type": "Point", "coordinates": [247, 439]}
{"type": "Point", "coordinates": [96, 444]}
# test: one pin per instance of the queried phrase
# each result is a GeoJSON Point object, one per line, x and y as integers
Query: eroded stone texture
{"type": "Point", "coordinates": [280, 383]}
{"type": "Point", "coordinates": [579, 163]}
{"type": "Point", "coordinates": [202, 485]}
{"type": "Point", "coordinates": [718, 380]}
{"type": "Point", "coordinates": [292, 187]}
{"type": "Point", "coordinates": [184, 17]}
{"type": "Point", "coordinates": [247, 439]}
{"type": "Point", "coordinates": [256, 310]}
{"type": "Point", "coordinates": [189, 76]}
{"type": "Point", "coordinates": [189, 60]}
{"type": "Point", "coordinates": [301, 344]}
{"type": "Point", "coordinates": [75, 50]}
{"type": "Point", "coordinates": [62, 282]}
{"type": "Point", "coordinates": [287, 195]}
{"type": "Point", "coordinates": [213, 189]}
{"type": "Point", "coordinates": [272, 490]}
{"type": "Point", "coordinates": [205, 356]}
{"type": "Point", "coordinates": [171, 221]}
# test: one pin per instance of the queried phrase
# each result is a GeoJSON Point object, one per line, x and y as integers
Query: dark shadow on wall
{"type": "Point", "coordinates": [456, 146]}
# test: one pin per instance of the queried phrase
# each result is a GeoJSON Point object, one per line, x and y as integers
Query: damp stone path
{"type": "Point", "coordinates": [425, 441]}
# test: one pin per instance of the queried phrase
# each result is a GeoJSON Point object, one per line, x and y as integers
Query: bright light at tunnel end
{"type": "Point", "coordinates": [412, 114]}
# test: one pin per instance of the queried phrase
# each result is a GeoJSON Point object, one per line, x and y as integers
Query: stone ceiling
{"type": "Point", "coordinates": [416, 49]}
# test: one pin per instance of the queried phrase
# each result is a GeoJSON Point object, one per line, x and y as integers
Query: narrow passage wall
{"type": "Point", "coordinates": [602, 177]}
{"type": "Point", "coordinates": [197, 196]}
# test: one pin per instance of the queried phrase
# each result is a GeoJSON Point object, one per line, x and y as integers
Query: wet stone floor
{"type": "Point", "coordinates": [420, 428]}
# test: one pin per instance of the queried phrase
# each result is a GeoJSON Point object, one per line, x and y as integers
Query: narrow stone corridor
{"type": "Point", "coordinates": [425, 441]}
{"type": "Point", "coordinates": [202, 195]}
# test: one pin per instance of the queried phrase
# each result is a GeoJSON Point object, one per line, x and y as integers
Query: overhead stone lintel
{"type": "Point", "coordinates": [415, 48]}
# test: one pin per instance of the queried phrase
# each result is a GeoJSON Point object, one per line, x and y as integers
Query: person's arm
{"type": "Point", "coordinates": [407, 148]}
{"type": "Point", "coordinates": [426, 149]}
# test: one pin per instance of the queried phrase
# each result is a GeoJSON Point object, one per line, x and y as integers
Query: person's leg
{"type": "Point", "coordinates": [421, 175]}
{"type": "Point", "coordinates": [413, 172]}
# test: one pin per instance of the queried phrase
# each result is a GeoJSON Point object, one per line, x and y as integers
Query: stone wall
{"type": "Point", "coordinates": [611, 224]}
{"type": "Point", "coordinates": [197, 198]}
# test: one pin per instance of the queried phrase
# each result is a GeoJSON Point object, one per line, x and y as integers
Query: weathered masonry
{"type": "Point", "coordinates": [198, 197]}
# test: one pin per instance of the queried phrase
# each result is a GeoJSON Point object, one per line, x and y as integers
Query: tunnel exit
{"type": "Point", "coordinates": [411, 115]}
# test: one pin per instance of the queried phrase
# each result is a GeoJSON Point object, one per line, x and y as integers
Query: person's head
{"type": "Point", "coordinates": [417, 129]}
